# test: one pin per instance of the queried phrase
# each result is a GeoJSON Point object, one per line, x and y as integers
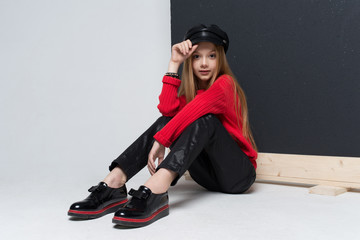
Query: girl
{"type": "Point", "coordinates": [204, 123]}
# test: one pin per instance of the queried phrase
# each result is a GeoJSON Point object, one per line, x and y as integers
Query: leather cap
{"type": "Point", "coordinates": [212, 33]}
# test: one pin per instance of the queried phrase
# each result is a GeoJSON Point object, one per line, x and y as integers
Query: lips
{"type": "Point", "coordinates": [204, 72]}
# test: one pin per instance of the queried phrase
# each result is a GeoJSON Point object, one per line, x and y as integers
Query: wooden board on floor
{"type": "Point", "coordinates": [327, 190]}
{"type": "Point", "coordinates": [308, 169]}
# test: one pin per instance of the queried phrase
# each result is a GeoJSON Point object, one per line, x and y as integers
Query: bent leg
{"type": "Point", "coordinates": [148, 205]}
{"type": "Point", "coordinates": [202, 171]}
{"type": "Point", "coordinates": [135, 157]}
{"type": "Point", "coordinates": [221, 167]}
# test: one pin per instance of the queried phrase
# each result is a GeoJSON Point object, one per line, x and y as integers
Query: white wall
{"type": "Point", "coordinates": [79, 81]}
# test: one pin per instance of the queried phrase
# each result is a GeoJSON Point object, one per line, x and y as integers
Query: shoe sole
{"type": "Point", "coordinates": [97, 213]}
{"type": "Point", "coordinates": [141, 222]}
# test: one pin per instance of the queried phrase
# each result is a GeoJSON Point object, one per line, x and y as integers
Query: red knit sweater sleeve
{"type": "Point", "coordinates": [215, 100]}
{"type": "Point", "coordinates": [169, 101]}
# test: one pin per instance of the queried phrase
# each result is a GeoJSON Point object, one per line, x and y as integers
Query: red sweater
{"type": "Point", "coordinates": [218, 100]}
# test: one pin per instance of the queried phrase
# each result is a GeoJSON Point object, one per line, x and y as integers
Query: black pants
{"type": "Point", "coordinates": [205, 148]}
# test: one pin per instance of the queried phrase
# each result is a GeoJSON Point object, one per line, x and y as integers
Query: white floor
{"type": "Point", "coordinates": [39, 211]}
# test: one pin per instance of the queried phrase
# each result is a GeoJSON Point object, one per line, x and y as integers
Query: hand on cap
{"type": "Point", "coordinates": [182, 51]}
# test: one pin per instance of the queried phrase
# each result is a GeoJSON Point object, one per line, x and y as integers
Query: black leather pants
{"type": "Point", "coordinates": [205, 148]}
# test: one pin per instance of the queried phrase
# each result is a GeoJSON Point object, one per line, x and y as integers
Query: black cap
{"type": "Point", "coordinates": [212, 33]}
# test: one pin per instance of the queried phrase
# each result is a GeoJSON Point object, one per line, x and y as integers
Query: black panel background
{"type": "Point", "coordinates": [299, 64]}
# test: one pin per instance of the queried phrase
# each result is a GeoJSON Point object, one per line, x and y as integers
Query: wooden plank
{"type": "Point", "coordinates": [308, 169]}
{"type": "Point", "coordinates": [327, 190]}
{"type": "Point", "coordinates": [309, 182]}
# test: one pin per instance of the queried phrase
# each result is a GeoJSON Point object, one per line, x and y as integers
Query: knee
{"type": "Point", "coordinates": [205, 124]}
{"type": "Point", "coordinates": [163, 120]}
{"type": "Point", "coordinates": [159, 123]}
{"type": "Point", "coordinates": [207, 119]}
{"type": "Point", "coordinates": [209, 122]}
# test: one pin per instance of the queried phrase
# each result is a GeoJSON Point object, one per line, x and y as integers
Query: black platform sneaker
{"type": "Point", "coordinates": [101, 201]}
{"type": "Point", "coordinates": [143, 208]}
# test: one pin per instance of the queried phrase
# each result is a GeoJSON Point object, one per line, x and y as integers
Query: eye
{"type": "Point", "coordinates": [212, 55]}
{"type": "Point", "coordinates": [196, 56]}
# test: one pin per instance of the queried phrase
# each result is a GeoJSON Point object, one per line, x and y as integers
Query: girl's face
{"type": "Point", "coordinates": [204, 62]}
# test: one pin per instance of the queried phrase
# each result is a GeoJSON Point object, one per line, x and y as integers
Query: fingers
{"type": "Point", "coordinates": [160, 159]}
{"type": "Point", "coordinates": [187, 46]}
{"type": "Point", "coordinates": [184, 47]}
{"type": "Point", "coordinates": [151, 167]}
{"type": "Point", "coordinates": [151, 164]}
{"type": "Point", "coordinates": [152, 157]}
{"type": "Point", "coordinates": [156, 152]}
{"type": "Point", "coordinates": [193, 49]}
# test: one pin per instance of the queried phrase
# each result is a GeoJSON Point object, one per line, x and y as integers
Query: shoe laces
{"type": "Point", "coordinates": [98, 187]}
{"type": "Point", "coordinates": [139, 194]}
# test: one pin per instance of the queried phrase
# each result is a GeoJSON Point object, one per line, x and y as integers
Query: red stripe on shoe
{"type": "Point", "coordinates": [143, 219]}
{"type": "Point", "coordinates": [99, 211]}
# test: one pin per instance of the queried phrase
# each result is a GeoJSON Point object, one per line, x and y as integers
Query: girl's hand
{"type": "Point", "coordinates": [157, 152]}
{"type": "Point", "coordinates": [181, 51]}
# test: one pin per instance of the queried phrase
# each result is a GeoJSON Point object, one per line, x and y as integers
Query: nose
{"type": "Point", "coordinates": [204, 62]}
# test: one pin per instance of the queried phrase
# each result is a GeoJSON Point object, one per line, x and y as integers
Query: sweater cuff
{"type": "Point", "coordinates": [158, 137]}
{"type": "Point", "coordinates": [171, 80]}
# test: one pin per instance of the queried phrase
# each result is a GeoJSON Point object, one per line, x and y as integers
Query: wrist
{"type": "Point", "coordinates": [173, 67]}
{"type": "Point", "coordinates": [172, 74]}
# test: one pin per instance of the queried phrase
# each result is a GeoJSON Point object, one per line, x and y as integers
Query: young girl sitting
{"type": "Point", "coordinates": [205, 124]}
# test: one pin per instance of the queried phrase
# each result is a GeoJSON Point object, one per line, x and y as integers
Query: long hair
{"type": "Point", "coordinates": [190, 84]}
